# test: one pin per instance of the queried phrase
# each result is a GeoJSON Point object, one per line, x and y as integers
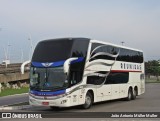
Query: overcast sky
{"type": "Point", "coordinates": [136, 22]}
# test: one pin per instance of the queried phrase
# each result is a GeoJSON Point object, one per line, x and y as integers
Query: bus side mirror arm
{"type": "Point", "coordinates": [23, 65]}
{"type": "Point", "coordinates": [67, 64]}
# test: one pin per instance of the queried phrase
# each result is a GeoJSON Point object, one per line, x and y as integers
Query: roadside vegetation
{"type": "Point", "coordinates": [152, 80]}
{"type": "Point", "coordinates": [14, 88]}
{"type": "Point", "coordinates": [11, 91]}
{"type": "Point", "coordinates": [152, 71]}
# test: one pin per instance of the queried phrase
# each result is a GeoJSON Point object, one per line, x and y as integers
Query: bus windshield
{"type": "Point", "coordinates": [52, 51]}
{"type": "Point", "coordinates": [49, 79]}
{"type": "Point", "coordinates": [56, 52]}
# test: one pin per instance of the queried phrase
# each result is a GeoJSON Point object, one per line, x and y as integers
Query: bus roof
{"type": "Point", "coordinates": [92, 41]}
{"type": "Point", "coordinates": [102, 42]}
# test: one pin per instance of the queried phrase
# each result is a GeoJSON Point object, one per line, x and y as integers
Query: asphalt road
{"type": "Point", "coordinates": [148, 102]}
{"type": "Point", "coordinates": [9, 100]}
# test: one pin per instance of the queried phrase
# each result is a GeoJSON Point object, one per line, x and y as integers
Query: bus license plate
{"type": "Point", "coordinates": [45, 103]}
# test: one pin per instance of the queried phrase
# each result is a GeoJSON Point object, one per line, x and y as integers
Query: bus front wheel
{"type": "Point", "coordinates": [88, 101]}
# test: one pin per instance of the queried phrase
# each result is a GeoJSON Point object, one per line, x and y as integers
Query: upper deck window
{"type": "Point", "coordinates": [126, 55]}
{"type": "Point", "coordinates": [60, 49]}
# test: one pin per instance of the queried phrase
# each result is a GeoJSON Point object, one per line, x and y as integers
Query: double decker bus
{"type": "Point", "coordinates": [80, 71]}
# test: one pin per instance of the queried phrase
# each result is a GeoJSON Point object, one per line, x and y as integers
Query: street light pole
{"type": "Point", "coordinates": [8, 53]}
{"type": "Point", "coordinates": [22, 56]}
{"type": "Point", "coordinates": [31, 46]}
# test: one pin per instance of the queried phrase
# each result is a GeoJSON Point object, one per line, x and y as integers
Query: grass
{"type": "Point", "coordinates": [152, 81]}
{"type": "Point", "coordinates": [8, 91]}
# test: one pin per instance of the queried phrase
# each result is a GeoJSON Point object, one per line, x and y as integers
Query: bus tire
{"type": "Point", "coordinates": [88, 101]}
{"type": "Point", "coordinates": [134, 94]}
{"type": "Point", "coordinates": [130, 93]}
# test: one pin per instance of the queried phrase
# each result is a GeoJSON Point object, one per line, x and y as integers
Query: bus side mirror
{"type": "Point", "coordinates": [67, 64]}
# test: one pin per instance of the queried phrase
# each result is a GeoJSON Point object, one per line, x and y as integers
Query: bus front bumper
{"type": "Point", "coordinates": [59, 102]}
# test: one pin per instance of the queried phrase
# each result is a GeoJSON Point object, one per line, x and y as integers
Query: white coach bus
{"type": "Point", "coordinates": [79, 71]}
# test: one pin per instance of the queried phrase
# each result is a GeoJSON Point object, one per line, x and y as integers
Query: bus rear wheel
{"type": "Point", "coordinates": [130, 95]}
{"type": "Point", "coordinates": [54, 108]}
{"type": "Point", "coordinates": [134, 94]}
{"type": "Point", "coordinates": [88, 101]}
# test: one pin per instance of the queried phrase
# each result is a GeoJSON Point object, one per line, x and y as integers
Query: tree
{"type": "Point", "coordinates": [153, 68]}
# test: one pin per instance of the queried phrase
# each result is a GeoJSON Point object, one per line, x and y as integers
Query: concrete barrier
{"type": "Point", "coordinates": [13, 77]}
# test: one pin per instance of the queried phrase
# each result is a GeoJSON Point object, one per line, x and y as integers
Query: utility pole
{"type": "Point", "coordinates": [31, 47]}
{"type": "Point", "coordinates": [22, 56]}
{"type": "Point", "coordinates": [5, 52]}
{"type": "Point", "coordinates": [8, 53]}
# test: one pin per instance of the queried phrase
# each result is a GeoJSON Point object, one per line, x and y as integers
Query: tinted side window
{"type": "Point", "coordinates": [124, 54]}
{"type": "Point", "coordinates": [79, 49]}
{"type": "Point", "coordinates": [102, 50]}
{"type": "Point", "coordinates": [117, 78]}
{"type": "Point", "coordinates": [113, 78]}
{"type": "Point", "coordinates": [130, 56]}
{"type": "Point", "coordinates": [95, 80]}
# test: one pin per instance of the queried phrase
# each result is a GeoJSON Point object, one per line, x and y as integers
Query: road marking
{"type": "Point", "coordinates": [16, 107]}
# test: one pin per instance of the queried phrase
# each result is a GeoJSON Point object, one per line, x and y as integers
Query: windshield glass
{"type": "Point", "coordinates": [48, 79]}
{"type": "Point", "coordinates": [57, 50]}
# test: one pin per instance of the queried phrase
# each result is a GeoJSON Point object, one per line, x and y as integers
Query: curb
{"type": "Point", "coordinates": [15, 107]}
{"type": "Point", "coordinates": [9, 105]}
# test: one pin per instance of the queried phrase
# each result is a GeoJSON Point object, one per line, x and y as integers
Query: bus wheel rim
{"type": "Point", "coordinates": [88, 100]}
{"type": "Point", "coordinates": [129, 95]}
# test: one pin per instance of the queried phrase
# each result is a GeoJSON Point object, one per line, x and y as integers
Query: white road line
{"type": "Point", "coordinates": [16, 107]}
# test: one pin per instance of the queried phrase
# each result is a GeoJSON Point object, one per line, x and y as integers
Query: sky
{"type": "Point", "coordinates": [135, 22]}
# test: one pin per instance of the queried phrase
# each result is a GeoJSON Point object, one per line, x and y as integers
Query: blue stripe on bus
{"type": "Point", "coordinates": [37, 64]}
{"type": "Point", "coordinates": [42, 93]}
{"type": "Point", "coordinates": [78, 60]}
{"type": "Point", "coordinates": [56, 64]}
